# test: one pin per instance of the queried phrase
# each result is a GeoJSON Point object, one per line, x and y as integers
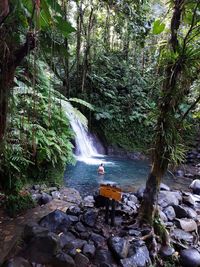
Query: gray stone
{"type": "Point", "coordinates": [70, 195]}
{"type": "Point", "coordinates": [97, 239]}
{"type": "Point", "coordinates": [79, 227]}
{"type": "Point", "coordinates": [133, 198]}
{"type": "Point", "coordinates": [56, 195]}
{"type": "Point", "coordinates": [168, 198]}
{"type": "Point", "coordinates": [187, 225]}
{"type": "Point", "coordinates": [73, 219]}
{"type": "Point", "coordinates": [164, 187]}
{"type": "Point", "coordinates": [182, 235]}
{"type": "Point", "coordinates": [183, 211]}
{"type": "Point", "coordinates": [63, 260]}
{"type": "Point", "coordinates": [89, 218]}
{"type": "Point", "coordinates": [170, 213]}
{"type": "Point", "coordinates": [17, 262]}
{"type": "Point", "coordinates": [56, 221]}
{"type": "Point", "coordinates": [66, 238]}
{"type": "Point", "coordinates": [75, 244]}
{"type": "Point", "coordinates": [138, 256]}
{"type": "Point", "coordinates": [89, 250]}
{"type": "Point", "coordinates": [195, 186]}
{"type": "Point", "coordinates": [163, 216]}
{"type": "Point", "coordinates": [45, 198]}
{"type": "Point", "coordinates": [36, 197]}
{"type": "Point", "coordinates": [190, 258]}
{"type": "Point", "coordinates": [103, 256]}
{"type": "Point", "coordinates": [81, 260]}
{"type": "Point", "coordinates": [140, 192]}
{"type": "Point", "coordinates": [74, 210]}
{"type": "Point", "coordinates": [36, 187]}
{"type": "Point", "coordinates": [119, 246]}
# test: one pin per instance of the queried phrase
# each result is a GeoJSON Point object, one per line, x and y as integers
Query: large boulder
{"type": "Point", "coordinates": [56, 221]}
{"type": "Point", "coordinates": [183, 211]}
{"type": "Point", "coordinates": [119, 246]}
{"type": "Point", "coordinates": [195, 186]}
{"type": "Point", "coordinates": [103, 256]}
{"type": "Point", "coordinates": [42, 248]}
{"type": "Point", "coordinates": [187, 225]}
{"type": "Point", "coordinates": [190, 258]}
{"type": "Point", "coordinates": [33, 229]}
{"type": "Point", "coordinates": [66, 238]}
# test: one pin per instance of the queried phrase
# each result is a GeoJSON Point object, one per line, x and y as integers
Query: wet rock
{"type": "Point", "coordinates": [170, 213]}
{"type": "Point", "coordinates": [119, 246]}
{"type": "Point", "coordinates": [66, 238]}
{"type": "Point", "coordinates": [164, 187]}
{"type": "Point", "coordinates": [81, 260]}
{"type": "Point", "coordinates": [133, 232]}
{"type": "Point", "coordinates": [45, 198]}
{"type": "Point", "coordinates": [179, 173]}
{"type": "Point", "coordinates": [56, 221]}
{"type": "Point", "coordinates": [133, 198]}
{"type": "Point", "coordinates": [63, 260]}
{"type": "Point", "coordinates": [89, 250]}
{"type": "Point", "coordinates": [56, 195]}
{"type": "Point", "coordinates": [79, 227]}
{"type": "Point", "coordinates": [179, 234]}
{"type": "Point", "coordinates": [36, 197]}
{"type": "Point", "coordinates": [190, 258]}
{"type": "Point", "coordinates": [42, 248]}
{"type": "Point", "coordinates": [17, 262]}
{"type": "Point", "coordinates": [74, 210]}
{"type": "Point", "coordinates": [73, 219]}
{"type": "Point", "coordinates": [129, 210]}
{"type": "Point", "coordinates": [187, 225]}
{"type": "Point", "coordinates": [84, 235]}
{"type": "Point", "coordinates": [97, 239]}
{"type": "Point", "coordinates": [168, 198]}
{"type": "Point", "coordinates": [166, 252]}
{"type": "Point", "coordinates": [89, 218]}
{"type": "Point", "coordinates": [33, 229]}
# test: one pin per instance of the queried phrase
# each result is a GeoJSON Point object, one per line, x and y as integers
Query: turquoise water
{"type": "Point", "coordinates": [128, 174]}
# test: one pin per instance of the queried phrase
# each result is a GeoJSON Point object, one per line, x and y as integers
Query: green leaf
{"type": "Point", "coordinates": [64, 26]}
{"type": "Point", "coordinates": [158, 27]}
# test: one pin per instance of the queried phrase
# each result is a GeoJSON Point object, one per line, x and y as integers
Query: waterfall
{"type": "Point", "coordinates": [85, 147]}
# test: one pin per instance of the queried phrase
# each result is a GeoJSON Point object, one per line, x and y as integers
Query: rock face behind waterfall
{"type": "Point", "coordinates": [80, 238]}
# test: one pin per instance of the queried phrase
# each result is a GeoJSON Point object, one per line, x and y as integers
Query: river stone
{"type": "Point", "coordinates": [73, 219]}
{"type": "Point", "coordinates": [133, 198]}
{"type": "Point", "coordinates": [168, 198]}
{"type": "Point", "coordinates": [17, 262]}
{"type": "Point", "coordinates": [184, 212]}
{"type": "Point", "coordinates": [71, 195]}
{"type": "Point", "coordinates": [73, 210]}
{"type": "Point", "coordinates": [119, 246]}
{"type": "Point", "coordinates": [36, 197]}
{"type": "Point", "coordinates": [42, 248]}
{"type": "Point", "coordinates": [75, 244]}
{"type": "Point", "coordinates": [182, 235]}
{"type": "Point", "coordinates": [97, 239]}
{"type": "Point", "coordinates": [66, 238]}
{"type": "Point", "coordinates": [163, 216]}
{"type": "Point", "coordinates": [138, 255]}
{"type": "Point", "coordinates": [81, 260]}
{"type": "Point", "coordinates": [56, 221]}
{"type": "Point", "coordinates": [89, 250]}
{"type": "Point", "coordinates": [33, 229]}
{"type": "Point", "coordinates": [79, 227]}
{"type": "Point", "coordinates": [170, 213]}
{"type": "Point", "coordinates": [164, 187]}
{"type": "Point", "coordinates": [190, 258]}
{"type": "Point", "coordinates": [89, 218]}
{"type": "Point", "coordinates": [45, 198]}
{"type": "Point", "coordinates": [195, 186]}
{"type": "Point", "coordinates": [140, 192]}
{"type": "Point", "coordinates": [187, 225]}
{"type": "Point", "coordinates": [63, 260]}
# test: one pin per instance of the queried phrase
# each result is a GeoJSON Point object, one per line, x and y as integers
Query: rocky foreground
{"type": "Point", "coordinates": [80, 238]}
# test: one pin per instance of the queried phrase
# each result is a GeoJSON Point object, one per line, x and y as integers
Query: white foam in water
{"type": "Point", "coordinates": [94, 161]}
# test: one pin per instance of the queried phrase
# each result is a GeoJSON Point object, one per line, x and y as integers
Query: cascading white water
{"type": "Point", "coordinates": [85, 148]}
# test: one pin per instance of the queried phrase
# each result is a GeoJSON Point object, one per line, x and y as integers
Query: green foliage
{"type": "Point", "coordinates": [158, 27]}
{"type": "Point", "coordinates": [18, 203]}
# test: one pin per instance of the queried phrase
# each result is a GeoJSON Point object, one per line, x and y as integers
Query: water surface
{"type": "Point", "coordinates": [128, 174]}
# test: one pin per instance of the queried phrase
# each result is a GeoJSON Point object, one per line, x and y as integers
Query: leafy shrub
{"type": "Point", "coordinates": [15, 204]}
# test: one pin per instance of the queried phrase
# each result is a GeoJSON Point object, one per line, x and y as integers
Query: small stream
{"type": "Point", "coordinates": [128, 174]}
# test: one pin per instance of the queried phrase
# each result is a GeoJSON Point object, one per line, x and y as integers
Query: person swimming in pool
{"type": "Point", "coordinates": [101, 169]}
